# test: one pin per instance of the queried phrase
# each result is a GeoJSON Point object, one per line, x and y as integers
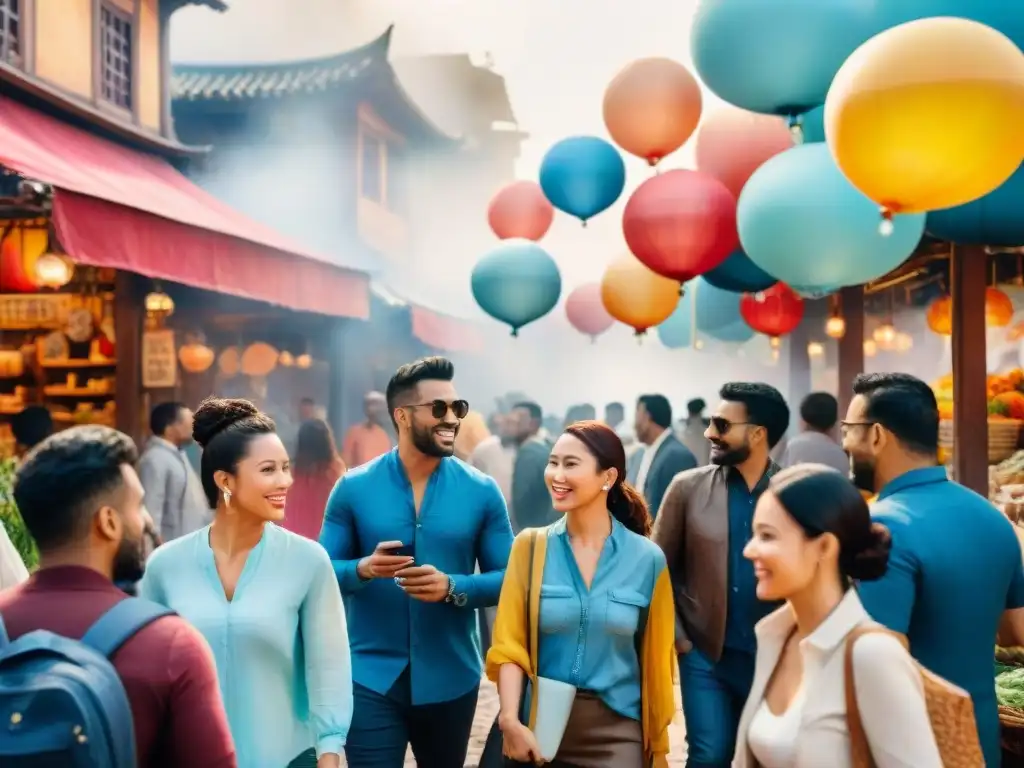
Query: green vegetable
{"type": "Point", "coordinates": [1010, 688]}
{"type": "Point", "coordinates": [998, 408]}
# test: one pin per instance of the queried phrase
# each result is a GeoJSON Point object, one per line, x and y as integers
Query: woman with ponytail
{"type": "Point", "coordinates": [599, 615]}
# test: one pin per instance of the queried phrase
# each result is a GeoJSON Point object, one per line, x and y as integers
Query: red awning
{"type": "Point", "coordinates": [117, 207]}
{"type": "Point", "coordinates": [443, 332]}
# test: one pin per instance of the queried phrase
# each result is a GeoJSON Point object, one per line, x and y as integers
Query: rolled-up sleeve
{"type": "Point", "coordinates": [495, 543]}
{"type": "Point", "coordinates": [338, 537]}
{"type": "Point", "coordinates": [327, 657]}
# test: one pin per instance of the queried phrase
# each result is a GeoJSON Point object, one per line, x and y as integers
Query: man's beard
{"type": "Point", "coordinates": [130, 560]}
{"type": "Point", "coordinates": [423, 439]}
{"type": "Point", "coordinates": [862, 473]}
{"type": "Point", "coordinates": [729, 457]}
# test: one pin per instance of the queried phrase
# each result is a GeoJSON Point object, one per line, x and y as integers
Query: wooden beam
{"type": "Point", "coordinates": [128, 317]}
{"type": "Point", "coordinates": [968, 278]}
{"type": "Point", "coordinates": [851, 346]}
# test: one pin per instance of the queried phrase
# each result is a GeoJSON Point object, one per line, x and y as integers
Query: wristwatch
{"type": "Point", "coordinates": [458, 599]}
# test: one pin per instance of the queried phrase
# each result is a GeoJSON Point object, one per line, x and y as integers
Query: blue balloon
{"type": "Point", "coordinates": [518, 282]}
{"type": "Point", "coordinates": [812, 126]}
{"type": "Point", "coordinates": [1003, 15]}
{"type": "Point", "coordinates": [800, 220]}
{"type": "Point", "coordinates": [735, 333]}
{"type": "Point", "coordinates": [716, 308]}
{"type": "Point", "coordinates": [738, 274]}
{"type": "Point", "coordinates": [778, 57]}
{"type": "Point", "coordinates": [582, 175]}
{"type": "Point", "coordinates": [676, 331]}
{"type": "Point", "coordinates": [994, 219]}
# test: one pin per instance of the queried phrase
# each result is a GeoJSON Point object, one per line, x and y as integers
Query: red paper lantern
{"type": "Point", "coordinates": [586, 311]}
{"type": "Point", "coordinates": [681, 224]}
{"type": "Point", "coordinates": [733, 143]}
{"type": "Point", "coordinates": [520, 210]}
{"type": "Point", "coordinates": [15, 277]}
{"type": "Point", "coordinates": [773, 312]}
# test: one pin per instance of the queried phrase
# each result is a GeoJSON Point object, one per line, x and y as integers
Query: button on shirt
{"type": "Point", "coordinates": [586, 636]}
{"type": "Point", "coordinates": [462, 521]}
{"type": "Point", "coordinates": [743, 609]}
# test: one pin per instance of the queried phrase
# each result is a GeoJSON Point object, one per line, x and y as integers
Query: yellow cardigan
{"type": "Point", "coordinates": [509, 644]}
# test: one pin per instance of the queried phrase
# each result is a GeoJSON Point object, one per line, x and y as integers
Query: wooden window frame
{"type": "Point", "coordinates": [26, 37]}
{"type": "Point", "coordinates": [370, 124]}
{"type": "Point", "coordinates": [133, 17]}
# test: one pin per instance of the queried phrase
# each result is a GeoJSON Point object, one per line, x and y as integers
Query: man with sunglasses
{"type": "Point", "coordinates": [705, 520]}
{"type": "Point", "coordinates": [405, 532]}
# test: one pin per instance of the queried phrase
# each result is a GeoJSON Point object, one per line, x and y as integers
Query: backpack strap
{"type": "Point", "coordinates": [860, 749]}
{"type": "Point", "coordinates": [5, 639]}
{"type": "Point", "coordinates": [119, 624]}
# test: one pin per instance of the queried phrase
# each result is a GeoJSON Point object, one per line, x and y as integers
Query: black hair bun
{"type": "Point", "coordinates": [871, 561]}
{"type": "Point", "coordinates": [215, 414]}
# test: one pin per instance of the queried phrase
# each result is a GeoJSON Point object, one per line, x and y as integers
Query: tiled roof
{"type": "Point", "coordinates": [249, 81]}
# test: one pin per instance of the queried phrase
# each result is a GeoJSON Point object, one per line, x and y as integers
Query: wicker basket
{"type": "Point", "coordinates": [1011, 732]}
{"type": "Point", "coordinates": [1003, 435]}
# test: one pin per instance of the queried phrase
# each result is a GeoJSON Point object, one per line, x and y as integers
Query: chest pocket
{"type": "Point", "coordinates": [623, 611]}
{"type": "Point", "coordinates": [559, 609]}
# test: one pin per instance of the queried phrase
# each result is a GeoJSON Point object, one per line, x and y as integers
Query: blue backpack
{"type": "Point", "coordinates": [62, 703]}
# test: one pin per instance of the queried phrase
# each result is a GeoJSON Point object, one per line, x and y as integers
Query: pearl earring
{"type": "Point", "coordinates": [606, 488]}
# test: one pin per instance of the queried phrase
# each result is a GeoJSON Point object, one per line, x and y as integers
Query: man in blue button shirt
{"type": "Point", "coordinates": [405, 532]}
{"type": "Point", "coordinates": [955, 574]}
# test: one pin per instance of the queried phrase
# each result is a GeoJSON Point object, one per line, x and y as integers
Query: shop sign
{"type": "Point", "coordinates": [159, 361]}
{"type": "Point", "coordinates": [32, 311]}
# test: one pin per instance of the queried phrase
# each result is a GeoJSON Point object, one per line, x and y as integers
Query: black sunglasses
{"type": "Point", "coordinates": [722, 425]}
{"type": "Point", "coordinates": [439, 408]}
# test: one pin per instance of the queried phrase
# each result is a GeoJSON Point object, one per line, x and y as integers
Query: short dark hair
{"type": "Point", "coordinates": [534, 410]}
{"type": "Point", "coordinates": [307, 401]}
{"type": "Point", "coordinates": [224, 428]}
{"type": "Point", "coordinates": [658, 408]}
{"type": "Point", "coordinates": [32, 425]}
{"type": "Point", "coordinates": [63, 480]}
{"type": "Point", "coordinates": [408, 377]}
{"type": "Point", "coordinates": [163, 416]}
{"type": "Point", "coordinates": [696, 406]}
{"type": "Point", "coordinates": [905, 406]}
{"type": "Point", "coordinates": [820, 411]}
{"type": "Point", "coordinates": [766, 407]}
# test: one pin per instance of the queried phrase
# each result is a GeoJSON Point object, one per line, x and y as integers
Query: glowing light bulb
{"type": "Point", "coordinates": [815, 349]}
{"type": "Point", "coordinates": [885, 227]}
{"type": "Point", "coordinates": [835, 327]}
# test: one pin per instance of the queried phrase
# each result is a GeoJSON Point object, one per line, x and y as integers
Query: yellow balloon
{"type": "Point", "coordinates": [636, 296]}
{"type": "Point", "coordinates": [928, 115]}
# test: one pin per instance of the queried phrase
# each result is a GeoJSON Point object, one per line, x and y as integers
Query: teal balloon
{"type": "Point", "coordinates": [800, 220]}
{"type": "Point", "coordinates": [676, 331]}
{"type": "Point", "coordinates": [995, 219]}
{"type": "Point", "coordinates": [734, 333]}
{"type": "Point", "coordinates": [583, 176]}
{"type": "Point", "coordinates": [738, 274]}
{"type": "Point", "coordinates": [778, 56]}
{"type": "Point", "coordinates": [716, 308]}
{"type": "Point", "coordinates": [518, 282]}
{"type": "Point", "coordinates": [1006, 16]}
{"type": "Point", "coordinates": [812, 126]}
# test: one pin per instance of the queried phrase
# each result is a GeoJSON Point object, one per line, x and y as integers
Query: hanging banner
{"type": "Point", "coordinates": [34, 311]}
{"type": "Point", "coordinates": [159, 361]}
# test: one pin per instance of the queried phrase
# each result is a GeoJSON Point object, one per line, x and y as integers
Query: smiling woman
{"type": "Point", "coordinates": [261, 596]}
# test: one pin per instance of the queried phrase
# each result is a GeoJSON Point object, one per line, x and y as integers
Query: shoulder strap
{"type": "Point", "coordinates": [5, 640]}
{"type": "Point", "coordinates": [860, 749]}
{"type": "Point", "coordinates": [120, 623]}
{"type": "Point", "coordinates": [531, 640]}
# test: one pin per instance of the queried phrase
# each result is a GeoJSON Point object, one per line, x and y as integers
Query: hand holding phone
{"type": "Point", "coordinates": [385, 561]}
{"type": "Point", "coordinates": [406, 550]}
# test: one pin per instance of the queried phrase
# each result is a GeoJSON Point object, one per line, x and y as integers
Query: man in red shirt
{"type": "Point", "coordinates": [81, 500]}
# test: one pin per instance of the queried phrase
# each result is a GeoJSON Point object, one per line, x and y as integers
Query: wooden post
{"type": "Point", "coordinates": [799, 368]}
{"type": "Point", "coordinates": [851, 346]}
{"type": "Point", "coordinates": [970, 404]}
{"type": "Point", "coordinates": [128, 315]}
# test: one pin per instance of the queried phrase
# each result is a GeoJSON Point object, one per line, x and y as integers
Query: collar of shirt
{"type": "Point", "coordinates": [559, 528]}
{"type": "Point", "coordinates": [650, 452]}
{"type": "Point", "coordinates": [827, 636]}
{"type": "Point", "coordinates": [733, 474]}
{"type": "Point", "coordinates": [70, 577]}
{"type": "Point", "coordinates": [398, 468]}
{"type": "Point", "coordinates": [915, 477]}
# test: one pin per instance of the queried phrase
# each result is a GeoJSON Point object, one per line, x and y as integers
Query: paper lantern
{"type": "Point", "coordinates": [259, 359]}
{"type": "Point", "coordinates": [774, 312]}
{"type": "Point", "coordinates": [927, 115]}
{"type": "Point", "coordinates": [998, 312]}
{"type": "Point", "coordinates": [733, 143]}
{"type": "Point", "coordinates": [53, 271]}
{"type": "Point", "coordinates": [19, 253]}
{"type": "Point", "coordinates": [636, 296]}
{"type": "Point", "coordinates": [303, 361]}
{"type": "Point", "coordinates": [159, 303]}
{"type": "Point", "coordinates": [585, 311]}
{"type": "Point", "coordinates": [939, 316]}
{"type": "Point", "coordinates": [681, 224]}
{"type": "Point", "coordinates": [195, 357]}
{"type": "Point", "coordinates": [520, 210]}
{"type": "Point", "coordinates": [582, 175]}
{"type": "Point", "coordinates": [652, 107]}
{"type": "Point", "coordinates": [286, 359]}
{"type": "Point", "coordinates": [516, 283]}
{"type": "Point", "coordinates": [230, 361]}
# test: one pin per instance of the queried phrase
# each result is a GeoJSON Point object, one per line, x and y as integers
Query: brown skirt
{"type": "Point", "coordinates": [598, 737]}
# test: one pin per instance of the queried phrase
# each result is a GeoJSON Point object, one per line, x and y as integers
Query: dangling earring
{"type": "Point", "coordinates": [227, 497]}
{"type": "Point", "coordinates": [606, 488]}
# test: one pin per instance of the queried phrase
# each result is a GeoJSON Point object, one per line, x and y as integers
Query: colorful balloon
{"type": "Point", "coordinates": [777, 57]}
{"type": "Point", "coordinates": [927, 115]}
{"type": "Point", "coordinates": [994, 219]}
{"type": "Point", "coordinates": [636, 296]}
{"type": "Point", "coordinates": [676, 331]}
{"type": "Point", "coordinates": [520, 210]}
{"type": "Point", "coordinates": [652, 107]}
{"type": "Point", "coordinates": [582, 176]}
{"type": "Point", "coordinates": [715, 308]}
{"type": "Point", "coordinates": [586, 312]}
{"type": "Point", "coordinates": [681, 223]}
{"type": "Point", "coordinates": [998, 14]}
{"type": "Point", "coordinates": [733, 143]}
{"type": "Point", "coordinates": [733, 333]}
{"type": "Point", "coordinates": [738, 274]}
{"type": "Point", "coordinates": [811, 126]}
{"type": "Point", "coordinates": [774, 312]}
{"type": "Point", "coordinates": [516, 283]}
{"type": "Point", "coordinates": [802, 222]}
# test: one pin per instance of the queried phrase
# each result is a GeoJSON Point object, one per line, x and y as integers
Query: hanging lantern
{"type": "Point", "coordinates": [19, 252]}
{"type": "Point", "coordinates": [998, 308]}
{"type": "Point", "coordinates": [775, 343]}
{"type": "Point", "coordinates": [835, 327]}
{"type": "Point", "coordinates": [773, 312]}
{"type": "Point", "coordinates": [286, 359]}
{"type": "Point", "coordinates": [229, 361]}
{"type": "Point", "coordinates": [815, 349]}
{"type": "Point", "coordinates": [53, 271]}
{"type": "Point", "coordinates": [885, 335]}
{"type": "Point", "coordinates": [303, 361]}
{"type": "Point", "coordinates": [194, 355]}
{"type": "Point", "coordinates": [259, 359]}
{"type": "Point", "coordinates": [939, 316]}
{"type": "Point", "coordinates": [159, 303]}
{"type": "Point", "coordinates": [870, 348]}
{"type": "Point", "coordinates": [904, 342]}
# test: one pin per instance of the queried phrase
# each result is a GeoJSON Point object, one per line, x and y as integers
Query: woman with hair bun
{"type": "Point", "coordinates": [601, 611]}
{"type": "Point", "coordinates": [266, 599]}
{"type": "Point", "coordinates": [813, 540]}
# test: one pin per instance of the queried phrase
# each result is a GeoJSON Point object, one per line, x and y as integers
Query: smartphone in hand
{"type": "Point", "coordinates": [406, 550]}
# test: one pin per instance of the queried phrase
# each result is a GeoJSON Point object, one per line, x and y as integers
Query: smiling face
{"type": "Point", "coordinates": [262, 478]}
{"type": "Point", "coordinates": [573, 477]}
{"type": "Point", "coordinates": [730, 435]}
{"type": "Point", "coordinates": [432, 435]}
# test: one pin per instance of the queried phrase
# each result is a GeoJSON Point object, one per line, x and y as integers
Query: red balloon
{"type": "Point", "coordinates": [773, 312]}
{"type": "Point", "coordinates": [586, 311]}
{"type": "Point", "coordinates": [733, 143]}
{"type": "Point", "coordinates": [681, 224]}
{"type": "Point", "coordinates": [520, 210]}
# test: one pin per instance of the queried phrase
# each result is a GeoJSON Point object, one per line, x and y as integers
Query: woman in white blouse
{"type": "Point", "coordinates": [813, 537]}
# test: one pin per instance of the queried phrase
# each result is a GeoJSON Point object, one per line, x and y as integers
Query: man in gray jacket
{"type": "Point", "coordinates": [174, 494]}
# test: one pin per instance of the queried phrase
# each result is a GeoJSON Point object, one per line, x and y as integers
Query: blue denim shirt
{"type": "Point", "coordinates": [586, 637]}
{"type": "Point", "coordinates": [954, 567]}
{"type": "Point", "coordinates": [462, 521]}
{"type": "Point", "coordinates": [743, 609]}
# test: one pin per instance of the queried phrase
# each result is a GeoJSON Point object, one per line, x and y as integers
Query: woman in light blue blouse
{"type": "Point", "coordinates": [265, 599]}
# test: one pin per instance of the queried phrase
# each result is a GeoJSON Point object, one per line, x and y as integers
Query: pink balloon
{"type": "Point", "coordinates": [520, 210]}
{"type": "Point", "coordinates": [586, 311]}
{"type": "Point", "coordinates": [733, 143]}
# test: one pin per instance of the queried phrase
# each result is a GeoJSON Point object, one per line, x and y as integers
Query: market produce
{"type": "Point", "coordinates": [1010, 688]}
{"type": "Point", "coordinates": [1005, 393]}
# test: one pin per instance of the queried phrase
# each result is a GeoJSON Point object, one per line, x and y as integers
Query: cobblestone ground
{"type": "Point", "coordinates": [487, 710]}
